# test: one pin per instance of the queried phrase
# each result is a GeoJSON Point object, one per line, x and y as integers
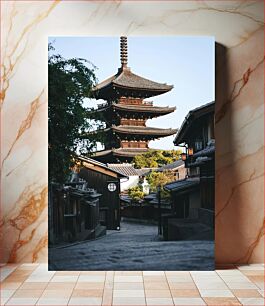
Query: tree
{"type": "Point", "coordinates": [69, 82]}
{"type": "Point", "coordinates": [156, 158]}
{"type": "Point", "coordinates": [156, 179]}
{"type": "Point", "coordinates": [136, 193]}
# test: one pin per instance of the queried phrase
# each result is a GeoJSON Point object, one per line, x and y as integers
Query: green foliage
{"type": "Point", "coordinates": [136, 193]}
{"type": "Point", "coordinates": [69, 82]}
{"type": "Point", "coordinates": [156, 158]}
{"type": "Point", "coordinates": [156, 179]}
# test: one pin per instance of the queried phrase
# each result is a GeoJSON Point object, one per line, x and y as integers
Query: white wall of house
{"type": "Point", "coordinates": [125, 184]}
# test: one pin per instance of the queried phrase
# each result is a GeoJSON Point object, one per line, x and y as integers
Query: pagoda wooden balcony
{"type": "Point", "coordinates": [148, 103]}
{"type": "Point", "coordinates": [102, 105]}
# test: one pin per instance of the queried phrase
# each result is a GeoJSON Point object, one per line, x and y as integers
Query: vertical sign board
{"type": "Point", "coordinates": [113, 189]}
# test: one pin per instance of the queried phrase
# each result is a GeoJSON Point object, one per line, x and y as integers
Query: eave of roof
{"type": "Point", "coordinates": [209, 150]}
{"type": "Point", "coordinates": [121, 152]}
{"type": "Point", "coordinates": [129, 152]}
{"type": "Point", "coordinates": [193, 114]}
{"type": "Point", "coordinates": [126, 79]}
{"type": "Point", "coordinates": [176, 164]}
{"type": "Point", "coordinates": [144, 108]}
{"type": "Point", "coordinates": [182, 185]}
{"type": "Point", "coordinates": [99, 164]}
{"type": "Point", "coordinates": [140, 130]}
{"type": "Point", "coordinates": [199, 162]}
{"type": "Point", "coordinates": [126, 169]}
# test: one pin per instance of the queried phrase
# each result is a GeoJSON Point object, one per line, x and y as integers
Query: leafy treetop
{"type": "Point", "coordinates": [70, 81]}
{"type": "Point", "coordinates": [155, 158]}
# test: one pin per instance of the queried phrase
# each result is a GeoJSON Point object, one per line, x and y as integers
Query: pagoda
{"type": "Point", "coordinates": [126, 111]}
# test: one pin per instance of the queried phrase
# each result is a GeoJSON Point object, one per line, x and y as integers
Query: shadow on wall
{"type": "Point", "coordinates": [221, 106]}
{"type": "Point", "coordinates": [235, 241]}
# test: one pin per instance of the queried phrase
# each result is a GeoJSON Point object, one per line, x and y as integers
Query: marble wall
{"type": "Point", "coordinates": [238, 28]}
{"type": "Point", "coordinates": [239, 122]}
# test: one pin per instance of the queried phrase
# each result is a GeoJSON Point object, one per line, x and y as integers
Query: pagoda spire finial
{"type": "Point", "coordinates": [123, 51]}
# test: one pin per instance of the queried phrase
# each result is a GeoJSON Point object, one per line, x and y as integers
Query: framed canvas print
{"type": "Point", "coordinates": [131, 157]}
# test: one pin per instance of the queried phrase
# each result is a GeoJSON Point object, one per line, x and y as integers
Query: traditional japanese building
{"type": "Point", "coordinates": [193, 198]}
{"type": "Point", "coordinates": [126, 112]}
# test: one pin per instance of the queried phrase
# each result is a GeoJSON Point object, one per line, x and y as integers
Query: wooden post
{"type": "Point", "coordinates": [159, 210]}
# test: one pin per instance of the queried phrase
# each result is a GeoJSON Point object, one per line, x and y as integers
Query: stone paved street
{"type": "Point", "coordinates": [135, 247]}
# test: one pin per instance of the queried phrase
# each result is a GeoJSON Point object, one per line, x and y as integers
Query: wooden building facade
{"type": "Point", "coordinates": [197, 136]}
{"type": "Point", "coordinates": [73, 210]}
{"type": "Point", "coordinates": [107, 182]}
{"type": "Point", "coordinates": [193, 198]}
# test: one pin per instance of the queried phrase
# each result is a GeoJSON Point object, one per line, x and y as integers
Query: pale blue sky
{"type": "Point", "coordinates": [185, 62]}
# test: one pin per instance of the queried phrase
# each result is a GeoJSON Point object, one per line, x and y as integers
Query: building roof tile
{"type": "Point", "coordinates": [124, 168]}
{"type": "Point", "coordinates": [125, 78]}
{"type": "Point", "coordinates": [171, 166]}
{"type": "Point", "coordinates": [181, 185]}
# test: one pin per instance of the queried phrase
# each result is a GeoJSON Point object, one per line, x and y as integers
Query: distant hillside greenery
{"type": "Point", "coordinates": [156, 158]}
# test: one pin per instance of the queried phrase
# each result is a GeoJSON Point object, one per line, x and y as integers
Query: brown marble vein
{"type": "Point", "coordinates": [234, 188]}
{"type": "Point", "coordinates": [32, 206]}
{"type": "Point", "coordinates": [202, 6]}
{"type": "Point", "coordinates": [25, 124]}
{"type": "Point", "coordinates": [42, 243]}
{"type": "Point", "coordinates": [237, 88]}
{"type": "Point", "coordinates": [4, 78]}
{"type": "Point", "coordinates": [205, 7]}
{"type": "Point", "coordinates": [246, 258]}
{"type": "Point", "coordinates": [20, 165]}
{"type": "Point", "coordinates": [245, 37]}
{"type": "Point", "coordinates": [237, 163]}
{"type": "Point", "coordinates": [235, 12]}
{"type": "Point", "coordinates": [6, 71]}
{"type": "Point", "coordinates": [18, 244]}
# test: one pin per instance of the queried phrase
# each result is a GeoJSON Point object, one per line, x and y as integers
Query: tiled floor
{"type": "Point", "coordinates": [33, 284]}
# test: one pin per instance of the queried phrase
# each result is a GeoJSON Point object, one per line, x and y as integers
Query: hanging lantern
{"type": "Point", "coordinates": [183, 156]}
{"type": "Point", "coordinates": [190, 151]}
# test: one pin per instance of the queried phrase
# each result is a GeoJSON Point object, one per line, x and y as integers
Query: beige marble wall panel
{"type": "Point", "coordinates": [26, 26]}
{"type": "Point", "coordinates": [239, 152]}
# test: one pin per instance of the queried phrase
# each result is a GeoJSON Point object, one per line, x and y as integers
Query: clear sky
{"type": "Point", "coordinates": [185, 62]}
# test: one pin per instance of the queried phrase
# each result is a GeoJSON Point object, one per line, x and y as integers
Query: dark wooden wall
{"type": "Point", "coordinates": [109, 200]}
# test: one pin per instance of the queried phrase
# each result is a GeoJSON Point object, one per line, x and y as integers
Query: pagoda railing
{"type": "Point", "coordinates": [149, 103]}
{"type": "Point", "coordinates": [102, 105]}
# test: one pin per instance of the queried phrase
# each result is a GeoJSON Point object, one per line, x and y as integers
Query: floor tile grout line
{"type": "Point", "coordinates": [15, 290]}
{"type": "Point", "coordinates": [145, 298]}
{"type": "Point", "coordinates": [104, 288]}
{"type": "Point", "coordinates": [203, 298]}
{"type": "Point", "coordinates": [169, 289]}
{"type": "Point", "coordinates": [113, 275]}
{"type": "Point", "coordinates": [76, 282]}
{"type": "Point", "coordinates": [231, 289]}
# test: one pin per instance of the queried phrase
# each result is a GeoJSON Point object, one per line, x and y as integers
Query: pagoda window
{"type": "Point", "coordinates": [132, 121]}
{"type": "Point", "coordinates": [134, 144]}
{"type": "Point", "coordinates": [125, 144]}
{"type": "Point", "coordinates": [130, 100]}
{"type": "Point", "coordinates": [143, 144]}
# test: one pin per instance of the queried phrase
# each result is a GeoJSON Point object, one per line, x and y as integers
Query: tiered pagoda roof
{"type": "Point", "coordinates": [144, 109]}
{"type": "Point", "coordinates": [143, 130]}
{"type": "Point", "coordinates": [123, 152]}
{"type": "Point", "coordinates": [138, 130]}
{"type": "Point", "coordinates": [126, 112]}
{"type": "Point", "coordinates": [127, 82]}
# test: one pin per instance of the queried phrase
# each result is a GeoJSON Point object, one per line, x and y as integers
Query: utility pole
{"type": "Point", "coordinates": [159, 210]}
